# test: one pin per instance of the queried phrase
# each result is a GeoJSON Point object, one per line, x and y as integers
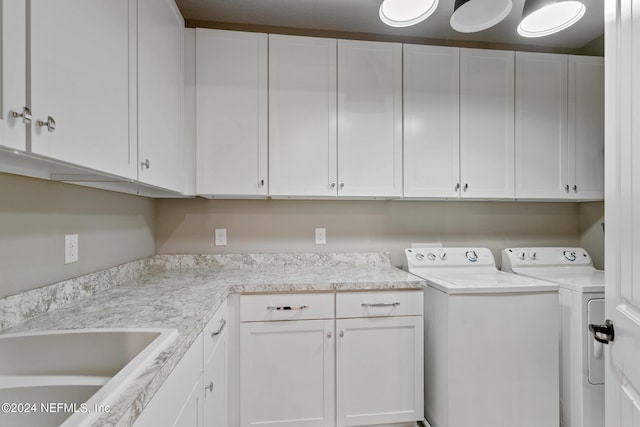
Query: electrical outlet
{"type": "Point", "coordinates": [70, 248]}
{"type": "Point", "coordinates": [221, 237]}
{"type": "Point", "coordinates": [321, 236]}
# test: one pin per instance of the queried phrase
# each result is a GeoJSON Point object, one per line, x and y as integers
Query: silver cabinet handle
{"type": "Point", "coordinates": [341, 185]}
{"type": "Point", "coordinates": [262, 183]}
{"type": "Point", "coordinates": [287, 307]}
{"type": "Point", "coordinates": [381, 304]}
{"type": "Point", "coordinates": [566, 188]}
{"type": "Point", "coordinates": [209, 387]}
{"type": "Point", "coordinates": [466, 187]}
{"type": "Point", "coordinates": [223, 323]}
{"type": "Point", "coordinates": [341, 334]}
{"type": "Point", "coordinates": [50, 124]}
{"type": "Point", "coordinates": [457, 187]}
{"type": "Point", "coordinates": [146, 164]}
{"type": "Point", "coordinates": [26, 115]}
{"type": "Point", "coordinates": [575, 188]}
{"type": "Point", "coordinates": [332, 185]}
{"type": "Point", "coordinates": [329, 335]}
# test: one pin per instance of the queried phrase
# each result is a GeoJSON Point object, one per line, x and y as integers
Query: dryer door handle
{"type": "Point", "coordinates": [603, 333]}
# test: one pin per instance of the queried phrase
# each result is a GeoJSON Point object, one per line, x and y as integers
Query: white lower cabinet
{"type": "Point", "coordinates": [299, 368]}
{"type": "Point", "coordinates": [379, 370]}
{"type": "Point", "coordinates": [179, 401]}
{"type": "Point", "coordinates": [215, 375]}
{"type": "Point", "coordinates": [195, 393]}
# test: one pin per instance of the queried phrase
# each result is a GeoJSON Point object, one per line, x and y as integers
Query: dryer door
{"type": "Point", "coordinates": [595, 315]}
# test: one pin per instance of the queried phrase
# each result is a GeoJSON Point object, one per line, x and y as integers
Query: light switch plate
{"type": "Point", "coordinates": [70, 248]}
{"type": "Point", "coordinates": [221, 237]}
{"type": "Point", "coordinates": [321, 236]}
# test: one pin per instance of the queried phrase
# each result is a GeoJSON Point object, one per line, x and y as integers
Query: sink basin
{"type": "Point", "coordinates": [72, 376]}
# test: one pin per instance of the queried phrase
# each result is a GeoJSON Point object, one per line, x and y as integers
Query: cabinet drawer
{"type": "Point", "coordinates": [216, 330]}
{"type": "Point", "coordinates": [379, 304]}
{"type": "Point", "coordinates": [260, 308]}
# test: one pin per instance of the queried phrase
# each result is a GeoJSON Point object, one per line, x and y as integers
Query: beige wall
{"type": "Point", "coordinates": [35, 215]}
{"type": "Point", "coordinates": [187, 226]}
{"type": "Point", "coordinates": [591, 231]}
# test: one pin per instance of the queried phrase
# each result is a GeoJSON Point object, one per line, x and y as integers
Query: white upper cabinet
{"type": "Point", "coordinates": [541, 126]}
{"type": "Point", "coordinates": [586, 127]}
{"type": "Point", "coordinates": [13, 74]}
{"type": "Point", "coordinates": [231, 102]}
{"type": "Point", "coordinates": [431, 121]}
{"type": "Point", "coordinates": [369, 119]}
{"type": "Point", "coordinates": [487, 123]}
{"type": "Point", "coordinates": [79, 83]}
{"type": "Point", "coordinates": [160, 94]}
{"type": "Point", "coordinates": [302, 116]}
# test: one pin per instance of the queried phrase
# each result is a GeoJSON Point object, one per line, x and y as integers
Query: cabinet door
{"type": "Point", "coordinates": [191, 413]}
{"type": "Point", "coordinates": [13, 132]}
{"type": "Point", "coordinates": [541, 126]}
{"type": "Point", "coordinates": [369, 119]}
{"type": "Point", "coordinates": [160, 94]}
{"type": "Point", "coordinates": [287, 373]}
{"type": "Point", "coordinates": [379, 370]}
{"type": "Point", "coordinates": [486, 123]}
{"type": "Point", "coordinates": [302, 116]}
{"type": "Point", "coordinates": [586, 127]}
{"type": "Point", "coordinates": [215, 386]}
{"type": "Point", "coordinates": [431, 121]}
{"type": "Point", "coordinates": [231, 103]}
{"type": "Point", "coordinates": [79, 79]}
{"type": "Point", "coordinates": [178, 401]}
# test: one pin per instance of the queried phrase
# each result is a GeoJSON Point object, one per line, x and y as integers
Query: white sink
{"type": "Point", "coordinates": [84, 369]}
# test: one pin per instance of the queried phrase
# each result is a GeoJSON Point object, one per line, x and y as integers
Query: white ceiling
{"type": "Point", "coordinates": [361, 16]}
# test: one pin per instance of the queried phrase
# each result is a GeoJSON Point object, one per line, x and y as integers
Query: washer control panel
{"type": "Point", "coordinates": [448, 257]}
{"type": "Point", "coordinates": [547, 257]}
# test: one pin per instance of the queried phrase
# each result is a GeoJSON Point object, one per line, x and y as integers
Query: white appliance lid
{"type": "Point", "coordinates": [468, 270]}
{"type": "Point", "coordinates": [581, 279]}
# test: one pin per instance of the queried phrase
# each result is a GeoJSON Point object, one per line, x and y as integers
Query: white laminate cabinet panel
{"type": "Point", "coordinates": [302, 116]}
{"type": "Point", "coordinates": [541, 126]}
{"type": "Point", "coordinates": [431, 121]}
{"type": "Point", "coordinates": [178, 402]}
{"type": "Point", "coordinates": [369, 119]}
{"type": "Point", "coordinates": [79, 76]}
{"type": "Point", "coordinates": [487, 123]}
{"type": "Point", "coordinates": [586, 127]}
{"type": "Point", "coordinates": [13, 132]}
{"type": "Point", "coordinates": [160, 98]}
{"type": "Point", "coordinates": [216, 382]}
{"type": "Point", "coordinates": [379, 370]}
{"type": "Point", "coordinates": [287, 374]}
{"type": "Point", "coordinates": [256, 308]}
{"type": "Point", "coordinates": [379, 304]}
{"type": "Point", "coordinates": [231, 103]}
{"type": "Point", "coordinates": [219, 325]}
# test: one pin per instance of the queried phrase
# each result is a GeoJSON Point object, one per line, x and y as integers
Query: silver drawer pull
{"type": "Point", "coordinates": [209, 387]}
{"type": "Point", "coordinates": [223, 323]}
{"type": "Point", "coordinates": [381, 304]}
{"type": "Point", "coordinates": [287, 307]}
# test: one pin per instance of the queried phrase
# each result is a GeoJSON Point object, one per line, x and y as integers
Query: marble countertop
{"type": "Point", "coordinates": [184, 292]}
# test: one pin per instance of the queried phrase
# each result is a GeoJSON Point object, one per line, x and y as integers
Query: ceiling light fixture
{"type": "Point", "coordinates": [544, 17]}
{"type": "Point", "coordinates": [404, 13]}
{"type": "Point", "coordinates": [470, 16]}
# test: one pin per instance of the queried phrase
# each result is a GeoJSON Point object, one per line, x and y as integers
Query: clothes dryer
{"type": "Point", "coordinates": [581, 303]}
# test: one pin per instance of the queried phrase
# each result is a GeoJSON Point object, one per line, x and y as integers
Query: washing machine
{"type": "Point", "coordinates": [581, 302]}
{"type": "Point", "coordinates": [491, 341]}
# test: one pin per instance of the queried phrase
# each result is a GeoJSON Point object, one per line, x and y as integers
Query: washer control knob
{"type": "Point", "coordinates": [431, 256]}
{"type": "Point", "coordinates": [443, 256]}
{"type": "Point", "coordinates": [533, 256]}
{"type": "Point", "coordinates": [472, 256]}
{"type": "Point", "coordinates": [521, 255]}
{"type": "Point", "coordinates": [419, 256]}
{"type": "Point", "coordinates": [570, 255]}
